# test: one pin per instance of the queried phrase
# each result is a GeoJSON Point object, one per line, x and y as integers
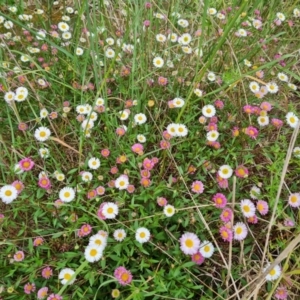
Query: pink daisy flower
{"type": "Point", "coordinates": [47, 272]}
{"type": "Point", "coordinates": [281, 293]}
{"type": "Point", "coordinates": [26, 164]}
{"type": "Point", "coordinates": [198, 258]}
{"type": "Point", "coordinates": [241, 172]}
{"type": "Point", "coordinates": [148, 164]}
{"type": "Point", "coordinates": [91, 194]}
{"type": "Point", "coordinates": [18, 185]}
{"type": "Point", "coordinates": [105, 152]}
{"type": "Point", "coordinates": [262, 207]}
{"type": "Point", "coordinates": [145, 173]}
{"type": "Point", "coordinates": [130, 189]}
{"type": "Point", "coordinates": [226, 234]}
{"type": "Point", "coordinates": [100, 213]}
{"type": "Point", "coordinates": [277, 123]}
{"type": "Point", "coordinates": [222, 182]}
{"type": "Point", "coordinates": [123, 276]}
{"type": "Point", "coordinates": [294, 200]}
{"type": "Point", "coordinates": [19, 256]}
{"type": "Point", "coordinates": [189, 243]}
{"type": "Point", "coordinates": [42, 293]}
{"type": "Point", "coordinates": [161, 201]}
{"type": "Point", "coordinates": [100, 190]}
{"type": "Point", "coordinates": [197, 187]}
{"type": "Point", "coordinates": [138, 148]}
{"type": "Point", "coordinates": [251, 132]}
{"type": "Point", "coordinates": [226, 215]}
{"type": "Point", "coordinates": [55, 297]}
{"type": "Point", "coordinates": [29, 288]}
{"type": "Point", "coordinates": [38, 241]}
{"type": "Point", "coordinates": [220, 200]}
{"type": "Point", "coordinates": [44, 183]}
{"type": "Point", "coordinates": [164, 144]}
{"type": "Point", "coordinates": [266, 106]}
{"type": "Point", "coordinates": [252, 220]}
{"type": "Point", "coordinates": [84, 230]}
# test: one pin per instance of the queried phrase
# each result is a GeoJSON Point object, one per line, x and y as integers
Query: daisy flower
{"type": "Point", "coordinates": [292, 119]}
{"type": "Point", "coordinates": [142, 235]}
{"type": "Point", "coordinates": [140, 119]}
{"type": "Point", "coordinates": [178, 102]}
{"type": "Point", "coordinates": [272, 87]}
{"type": "Point", "coordinates": [181, 130]}
{"type": "Point", "coordinates": [189, 243]}
{"type": "Point", "coordinates": [122, 182]}
{"type": "Point", "coordinates": [226, 215]}
{"type": "Point", "coordinates": [185, 39]}
{"type": "Point", "coordinates": [65, 276]}
{"type": "Point", "coordinates": [197, 187]}
{"type": "Point", "coordinates": [110, 53]}
{"type": "Point", "coordinates": [94, 163]}
{"type": "Point", "coordinates": [226, 234]}
{"type": "Point", "coordinates": [274, 273]}
{"type": "Point", "coordinates": [211, 76]}
{"type": "Point", "coordinates": [296, 152]}
{"type": "Point", "coordinates": [160, 38]}
{"type": "Point", "coordinates": [169, 210]}
{"type": "Point", "coordinates": [283, 77]}
{"type": "Point", "coordinates": [225, 171]}
{"type": "Point", "coordinates": [42, 134]}
{"type": "Point", "coordinates": [294, 200]}
{"type": "Point", "coordinates": [198, 92]}
{"type": "Point", "coordinates": [255, 192]}
{"type": "Point", "coordinates": [220, 200]}
{"type": "Point", "coordinates": [158, 62]}
{"type": "Point", "coordinates": [240, 231]}
{"type": "Point", "coordinates": [262, 207]}
{"type": "Point", "coordinates": [47, 272]}
{"type": "Point", "coordinates": [29, 288]}
{"type": "Point", "coordinates": [183, 23]}
{"type": "Point", "coordinates": [86, 176]}
{"type": "Point", "coordinates": [67, 194]}
{"type": "Point", "coordinates": [110, 210]}
{"type": "Point", "coordinates": [123, 276]}
{"type": "Point", "coordinates": [55, 297]}
{"type": "Point", "coordinates": [248, 208]}
{"type": "Point", "coordinates": [19, 256]}
{"type": "Point", "coordinates": [9, 96]}
{"type": "Point", "coordinates": [263, 121]}
{"type": "Point", "coordinates": [8, 193]}
{"type": "Point", "coordinates": [208, 111]}
{"type": "Point", "coordinates": [212, 11]}
{"type": "Point", "coordinates": [206, 249]}
{"type": "Point", "coordinates": [93, 253]}
{"type": "Point", "coordinates": [280, 16]}
{"type": "Point", "coordinates": [281, 293]}
{"type": "Point", "coordinates": [172, 129]}
{"type": "Point", "coordinates": [241, 172]}
{"type": "Point", "coordinates": [212, 135]}
{"type": "Point", "coordinates": [119, 235]}
{"type": "Point", "coordinates": [44, 152]}
{"type": "Point", "coordinates": [62, 26]}
{"type": "Point", "coordinates": [198, 258]}
{"type": "Point", "coordinates": [141, 138]}
{"type": "Point", "coordinates": [26, 164]}
{"type": "Point", "coordinates": [79, 51]}
{"type": "Point", "coordinates": [42, 292]}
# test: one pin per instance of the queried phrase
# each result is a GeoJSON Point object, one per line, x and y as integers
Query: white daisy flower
{"type": "Point", "coordinates": [66, 35]}
{"type": "Point", "coordinates": [211, 76]}
{"type": "Point", "coordinates": [172, 129]}
{"type": "Point", "coordinates": [272, 87]}
{"type": "Point", "coordinates": [225, 171]}
{"type": "Point", "coordinates": [40, 35]}
{"type": "Point", "coordinates": [208, 111]}
{"type": "Point", "coordinates": [169, 210]}
{"type": "Point", "coordinates": [257, 24]}
{"type": "Point", "coordinates": [8, 193]}
{"type": "Point", "coordinates": [158, 62]}
{"type": "Point", "coordinates": [187, 49]}
{"type": "Point", "coordinates": [42, 134]}
{"type": "Point", "coordinates": [98, 240]}
{"type": "Point", "coordinates": [212, 11]}
{"type": "Point", "coordinates": [140, 119]}
{"type": "Point", "coordinates": [141, 138]}
{"type": "Point", "coordinates": [220, 16]}
{"type": "Point", "coordinates": [60, 176]}
{"type": "Point", "coordinates": [100, 102]}
{"type": "Point", "coordinates": [160, 38]}
{"type": "Point", "coordinates": [296, 152]}
{"type": "Point", "coordinates": [9, 96]}
{"type": "Point", "coordinates": [242, 32]}
{"type": "Point", "coordinates": [86, 176]}
{"type": "Point", "coordinates": [65, 276]}
{"type": "Point", "coordinates": [254, 87]}
{"type": "Point", "coordinates": [240, 231]}
{"type": "Point", "coordinates": [292, 86]}
{"type": "Point", "coordinates": [110, 41]}
{"type": "Point", "coordinates": [178, 102]}
{"type": "Point", "coordinates": [212, 135]}
{"type": "Point", "coordinates": [185, 39]}
{"type": "Point", "coordinates": [79, 51]}
{"type": "Point", "coordinates": [173, 37]}
{"type": "Point", "coordinates": [183, 23]}
{"type": "Point", "coordinates": [206, 249]}
{"type": "Point", "coordinates": [81, 109]}
{"type": "Point", "coordinates": [283, 77]}
{"type": "Point", "coordinates": [181, 130]}
{"type": "Point", "coordinates": [274, 273]}
{"type": "Point", "coordinates": [292, 119]}
{"type": "Point", "coordinates": [43, 113]}
{"type": "Point", "coordinates": [93, 253]}
{"type": "Point", "coordinates": [198, 92]}
{"type": "Point", "coordinates": [296, 12]}
{"type": "Point", "coordinates": [142, 235]}
{"type": "Point", "coordinates": [110, 53]}
{"type": "Point", "coordinates": [280, 16]}
{"type": "Point", "coordinates": [44, 152]}
{"type": "Point", "coordinates": [94, 163]}
{"type": "Point", "coordinates": [67, 194]}
{"type": "Point", "coordinates": [87, 124]}
{"type": "Point", "coordinates": [255, 192]}
{"type": "Point", "coordinates": [62, 26]}
{"type": "Point", "coordinates": [263, 120]}
{"type": "Point", "coordinates": [110, 210]}
{"type": "Point", "coordinates": [119, 235]}
{"type": "Point", "coordinates": [122, 182]}
{"type": "Point", "coordinates": [248, 208]}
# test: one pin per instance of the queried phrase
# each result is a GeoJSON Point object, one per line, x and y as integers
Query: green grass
{"type": "Point", "coordinates": [129, 81]}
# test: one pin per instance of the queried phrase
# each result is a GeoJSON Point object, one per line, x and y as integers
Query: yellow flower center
{"type": "Point", "coordinates": [67, 194]}
{"type": "Point", "coordinates": [294, 199]}
{"type": "Point", "coordinates": [206, 248]}
{"type": "Point", "coordinates": [93, 252]}
{"type": "Point", "coordinates": [125, 276]}
{"type": "Point", "coordinates": [42, 134]}
{"type": "Point", "coordinates": [142, 235]}
{"type": "Point", "coordinates": [189, 243]}
{"type": "Point", "coordinates": [67, 276]}
{"type": "Point", "coordinates": [239, 230]}
{"type": "Point", "coordinates": [110, 210]}
{"type": "Point", "coordinates": [8, 193]}
{"type": "Point", "coordinates": [272, 272]}
{"type": "Point", "coordinates": [246, 208]}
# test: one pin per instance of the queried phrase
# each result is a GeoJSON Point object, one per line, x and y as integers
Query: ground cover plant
{"type": "Point", "coordinates": [149, 150]}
